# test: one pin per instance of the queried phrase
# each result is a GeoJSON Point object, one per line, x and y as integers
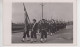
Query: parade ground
{"type": "Point", "coordinates": [62, 36]}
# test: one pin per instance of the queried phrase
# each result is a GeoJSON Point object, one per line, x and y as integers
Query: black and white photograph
{"type": "Point", "coordinates": [42, 22]}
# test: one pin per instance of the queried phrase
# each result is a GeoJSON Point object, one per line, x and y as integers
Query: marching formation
{"type": "Point", "coordinates": [44, 27]}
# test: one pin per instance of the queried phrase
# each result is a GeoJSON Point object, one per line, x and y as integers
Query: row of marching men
{"type": "Point", "coordinates": [53, 26]}
{"type": "Point", "coordinates": [44, 27]}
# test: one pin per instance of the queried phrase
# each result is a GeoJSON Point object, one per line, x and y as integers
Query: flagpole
{"type": "Point", "coordinates": [26, 13]}
{"type": "Point", "coordinates": [42, 9]}
{"type": "Point", "coordinates": [26, 18]}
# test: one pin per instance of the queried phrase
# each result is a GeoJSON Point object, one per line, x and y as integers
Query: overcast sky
{"type": "Point", "coordinates": [60, 11]}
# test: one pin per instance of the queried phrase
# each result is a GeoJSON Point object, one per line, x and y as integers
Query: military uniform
{"type": "Point", "coordinates": [52, 28]}
{"type": "Point", "coordinates": [34, 30]}
{"type": "Point", "coordinates": [43, 30]}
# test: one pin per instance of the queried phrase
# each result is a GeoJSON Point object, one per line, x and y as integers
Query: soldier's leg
{"type": "Point", "coordinates": [45, 34]}
{"type": "Point", "coordinates": [35, 36]}
{"type": "Point", "coordinates": [51, 31]}
{"type": "Point", "coordinates": [42, 36]}
{"type": "Point", "coordinates": [32, 36]}
{"type": "Point", "coordinates": [24, 36]}
{"type": "Point", "coordinates": [28, 36]}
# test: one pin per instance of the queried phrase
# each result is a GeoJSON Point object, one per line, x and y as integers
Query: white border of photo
{"type": "Point", "coordinates": [7, 17]}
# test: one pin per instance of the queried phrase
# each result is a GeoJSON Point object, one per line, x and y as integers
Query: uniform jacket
{"type": "Point", "coordinates": [34, 27]}
{"type": "Point", "coordinates": [43, 26]}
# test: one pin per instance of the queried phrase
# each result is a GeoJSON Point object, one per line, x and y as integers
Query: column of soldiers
{"type": "Point", "coordinates": [44, 27]}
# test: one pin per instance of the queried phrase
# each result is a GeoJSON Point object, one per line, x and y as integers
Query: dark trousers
{"type": "Point", "coordinates": [52, 30]}
{"type": "Point", "coordinates": [43, 34]}
{"type": "Point", "coordinates": [33, 34]}
{"type": "Point", "coordinates": [26, 33]}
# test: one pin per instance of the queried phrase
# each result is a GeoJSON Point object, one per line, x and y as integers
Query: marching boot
{"type": "Point", "coordinates": [41, 40]}
{"type": "Point", "coordinates": [28, 39]}
{"type": "Point", "coordinates": [35, 39]}
{"type": "Point", "coordinates": [45, 39]}
{"type": "Point", "coordinates": [47, 33]}
{"type": "Point", "coordinates": [23, 39]}
{"type": "Point", "coordinates": [51, 34]}
{"type": "Point", "coordinates": [31, 40]}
